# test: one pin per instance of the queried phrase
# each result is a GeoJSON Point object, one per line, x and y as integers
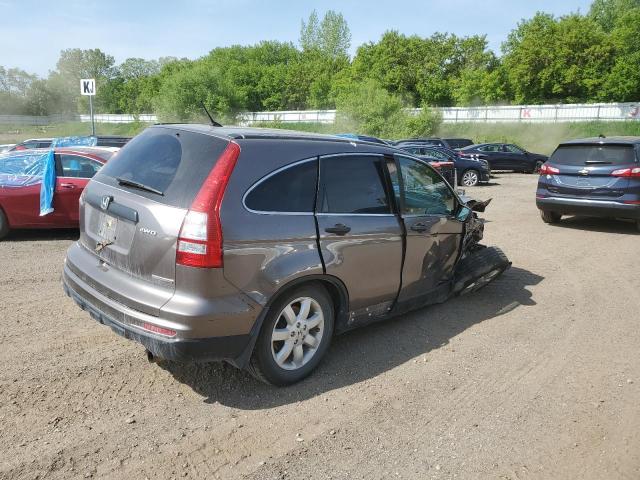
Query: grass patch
{"type": "Point", "coordinates": [18, 133]}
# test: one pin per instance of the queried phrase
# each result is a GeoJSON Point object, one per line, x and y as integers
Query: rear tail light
{"type": "Point", "coordinates": [627, 172]}
{"type": "Point", "coordinates": [200, 238]}
{"type": "Point", "coordinates": [548, 170]}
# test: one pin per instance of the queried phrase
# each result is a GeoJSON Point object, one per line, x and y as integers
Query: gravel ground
{"type": "Point", "coordinates": [535, 376]}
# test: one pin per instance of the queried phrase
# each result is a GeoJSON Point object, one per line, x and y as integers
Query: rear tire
{"type": "Point", "coordinates": [550, 217]}
{"type": "Point", "coordinates": [4, 225]}
{"type": "Point", "coordinates": [479, 268]}
{"type": "Point", "coordinates": [292, 343]}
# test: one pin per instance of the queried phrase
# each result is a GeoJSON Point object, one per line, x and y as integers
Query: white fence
{"type": "Point", "coordinates": [99, 118]}
{"type": "Point", "coordinates": [488, 114]}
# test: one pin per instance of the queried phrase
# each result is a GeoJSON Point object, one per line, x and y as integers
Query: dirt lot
{"type": "Point", "coordinates": [536, 376]}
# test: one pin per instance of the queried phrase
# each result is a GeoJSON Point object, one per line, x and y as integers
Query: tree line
{"type": "Point", "coordinates": [579, 57]}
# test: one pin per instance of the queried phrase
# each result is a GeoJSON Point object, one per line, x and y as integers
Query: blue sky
{"type": "Point", "coordinates": [34, 32]}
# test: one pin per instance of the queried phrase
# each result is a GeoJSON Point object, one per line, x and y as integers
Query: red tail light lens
{"type": "Point", "coordinates": [627, 172]}
{"type": "Point", "coordinates": [548, 170]}
{"type": "Point", "coordinates": [200, 238]}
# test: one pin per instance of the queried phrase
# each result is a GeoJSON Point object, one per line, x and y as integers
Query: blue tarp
{"type": "Point", "coordinates": [22, 168]}
{"type": "Point", "coordinates": [48, 186]}
{"type": "Point", "coordinates": [88, 141]}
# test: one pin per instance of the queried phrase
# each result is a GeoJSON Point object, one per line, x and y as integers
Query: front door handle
{"type": "Point", "coordinates": [419, 227]}
{"type": "Point", "coordinates": [68, 186]}
{"type": "Point", "coordinates": [338, 229]}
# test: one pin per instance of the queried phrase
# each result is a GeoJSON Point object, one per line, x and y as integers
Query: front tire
{"type": "Point", "coordinates": [295, 335]}
{"type": "Point", "coordinates": [550, 217]}
{"type": "Point", "coordinates": [470, 178]}
{"type": "Point", "coordinates": [4, 225]}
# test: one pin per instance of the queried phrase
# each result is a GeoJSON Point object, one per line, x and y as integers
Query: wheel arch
{"type": "Point", "coordinates": [333, 285]}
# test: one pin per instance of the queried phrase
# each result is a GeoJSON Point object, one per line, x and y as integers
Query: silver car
{"type": "Point", "coordinates": [256, 246]}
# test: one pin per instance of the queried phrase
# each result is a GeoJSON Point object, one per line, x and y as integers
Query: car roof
{"type": "Point", "coordinates": [237, 133]}
{"type": "Point", "coordinates": [624, 140]}
{"type": "Point", "coordinates": [37, 140]}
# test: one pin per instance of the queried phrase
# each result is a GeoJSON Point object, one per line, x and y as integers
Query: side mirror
{"type": "Point", "coordinates": [463, 213]}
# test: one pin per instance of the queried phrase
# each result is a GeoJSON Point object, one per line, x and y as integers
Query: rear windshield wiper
{"type": "Point", "coordinates": [141, 186]}
{"type": "Point", "coordinates": [599, 162]}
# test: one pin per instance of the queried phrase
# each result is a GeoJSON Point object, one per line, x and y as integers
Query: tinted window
{"type": "Point", "coordinates": [594, 154]}
{"type": "Point", "coordinates": [513, 149]}
{"type": "Point", "coordinates": [290, 190]}
{"type": "Point", "coordinates": [424, 191]}
{"type": "Point", "coordinates": [170, 160]}
{"type": "Point", "coordinates": [352, 184]}
{"type": "Point", "coordinates": [78, 167]}
{"type": "Point", "coordinates": [436, 154]}
{"type": "Point", "coordinates": [491, 148]}
{"type": "Point", "coordinates": [458, 142]}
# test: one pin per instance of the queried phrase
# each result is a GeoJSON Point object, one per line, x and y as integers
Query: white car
{"type": "Point", "coordinates": [5, 147]}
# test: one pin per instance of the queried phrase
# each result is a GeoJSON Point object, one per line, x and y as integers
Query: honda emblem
{"type": "Point", "coordinates": [106, 200]}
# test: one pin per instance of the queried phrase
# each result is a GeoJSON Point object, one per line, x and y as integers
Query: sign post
{"type": "Point", "coordinates": [88, 88]}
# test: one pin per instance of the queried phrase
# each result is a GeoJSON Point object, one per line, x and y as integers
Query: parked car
{"type": "Point", "coordinates": [506, 156]}
{"type": "Point", "coordinates": [364, 138]}
{"type": "Point", "coordinates": [20, 182]}
{"type": "Point", "coordinates": [6, 147]}
{"type": "Point", "coordinates": [451, 143]}
{"type": "Point", "coordinates": [102, 141]}
{"type": "Point", "coordinates": [597, 177]}
{"type": "Point", "coordinates": [116, 141]}
{"type": "Point", "coordinates": [469, 171]}
{"type": "Point", "coordinates": [31, 144]}
{"type": "Point", "coordinates": [255, 246]}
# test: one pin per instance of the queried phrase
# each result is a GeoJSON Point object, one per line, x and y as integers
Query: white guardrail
{"type": "Point", "coordinates": [488, 114]}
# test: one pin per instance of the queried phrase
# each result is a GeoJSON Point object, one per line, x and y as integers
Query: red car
{"type": "Point", "coordinates": [20, 192]}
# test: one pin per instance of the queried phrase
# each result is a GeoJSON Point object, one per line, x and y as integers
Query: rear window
{"type": "Point", "coordinates": [458, 142]}
{"type": "Point", "coordinates": [170, 160]}
{"type": "Point", "coordinates": [594, 154]}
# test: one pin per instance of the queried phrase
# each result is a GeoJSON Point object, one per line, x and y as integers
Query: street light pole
{"type": "Point", "coordinates": [93, 125]}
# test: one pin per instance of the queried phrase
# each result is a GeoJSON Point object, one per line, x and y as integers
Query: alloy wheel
{"type": "Point", "coordinates": [297, 333]}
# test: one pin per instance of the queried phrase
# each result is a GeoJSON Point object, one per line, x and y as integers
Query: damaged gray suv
{"type": "Point", "coordinates": [256, 246]}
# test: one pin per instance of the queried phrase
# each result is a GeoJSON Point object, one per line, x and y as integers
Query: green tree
{"type": "Point", "coordinates": [557, 60]}
{"type": "Point", "coordinates": [607, 12]}
{"type": "Point", "coordinates": [331, 36]}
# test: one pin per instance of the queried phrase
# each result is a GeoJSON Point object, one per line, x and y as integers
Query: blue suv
{"type": "Point", "coordinates": [597, 177]}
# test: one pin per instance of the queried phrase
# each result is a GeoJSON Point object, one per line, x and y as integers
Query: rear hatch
{"type": "Point", "coordinates": [590, 170]}
{"type": "Point", "coordinates": [133, 210]}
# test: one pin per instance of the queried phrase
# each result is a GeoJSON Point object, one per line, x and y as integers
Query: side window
{"type": "Point", "coordinates": [424, 191]}
{"type": "Point", "coordinates": [490, 148]}
{"type": "Point", "coordinates": [292, 189]}
{"type": "Point", "coordinates": [352, 185]}
{"type": "Point", "coordinates": [513, 149]}
{"type": "Point", "coordinates": [78, 167]}
{"type": "Point", "coordinates": [437, 154]}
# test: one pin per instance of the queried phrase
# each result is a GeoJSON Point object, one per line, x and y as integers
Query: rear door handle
{"type": "Point", "coordinates": [338, 229]}
{"type": "Point", "coordinates": [68, 186]}
{"type": "Point", "coordinates": [419, 227]}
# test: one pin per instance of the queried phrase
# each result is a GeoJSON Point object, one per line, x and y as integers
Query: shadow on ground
{"type": "Point", "coordinates": [367, 352]}
{"type": "Point", "coordinates": [42, 235]}
{"type": "Point", "coordinates": [594, 224]}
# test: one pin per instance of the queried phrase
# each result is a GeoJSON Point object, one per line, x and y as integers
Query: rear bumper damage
{"type": "Point", "coordinates": [108, 312]}
{"type": "Point", "coordinates": [590, 208]}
